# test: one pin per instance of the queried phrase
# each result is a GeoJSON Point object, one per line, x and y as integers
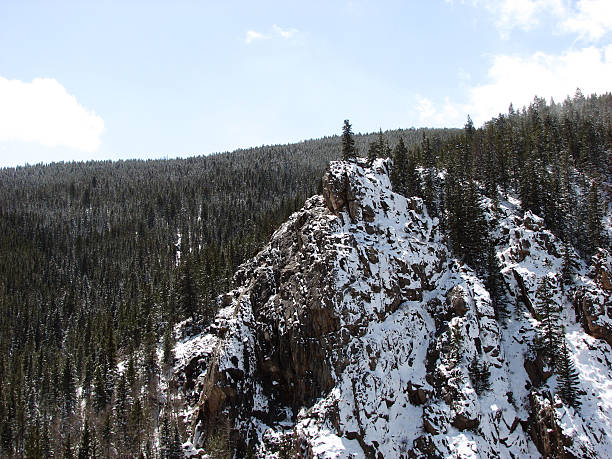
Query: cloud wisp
{"type": "Point", "coordinates": [44, 112]}
{"type": "Point", "coordinates": [275, 32]}
{"type": "Point", "coordinates": [521, 14]}
{"type": "Point", "coordinates": [253, 35]}
{"type": "Point", "coordinates": [589, 19]}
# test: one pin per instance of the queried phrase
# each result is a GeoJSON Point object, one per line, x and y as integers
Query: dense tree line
{"type": "Point", "coordinates": [99, 260]}
{"type": "Point", "coordinates": [555, 157]}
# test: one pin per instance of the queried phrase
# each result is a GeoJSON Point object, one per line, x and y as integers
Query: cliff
{"type": "Point", "coordinates": [355, 333]}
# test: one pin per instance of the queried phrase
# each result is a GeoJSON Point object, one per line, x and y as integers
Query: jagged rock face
{"type": "Point", "coordinates": [592, 301]}
{"type": "Point", "coordinates": [351, 335]}
{"type": "Point", "coordinates": [545, 431]}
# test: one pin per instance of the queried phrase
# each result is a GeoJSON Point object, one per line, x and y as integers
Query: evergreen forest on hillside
{"type": "Point", "coordinates": [100, 260]}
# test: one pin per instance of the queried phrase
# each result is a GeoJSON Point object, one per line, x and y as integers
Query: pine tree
{"type": "Point", "coordinates": [480, 376]}
{"type": "Point", "coordinates": [386, 150]}
{"type": "Point", "coordinates": [469, 130]}
{"type": "Point", "coordinates": [68, 386]}
{"type": "Point", "coordinates": [87, 378]}
{"type": "Point", "coordinates": [412, 180]}
{"type": "Point", "coordinates": [187, 289]}
{"type": "Point", "coordinates": [377, 148]}
{"type": "Point", "coordinates": [110, 354]}
{"type": "Point", "coordinates": [121, 411]}
{"type": "Point", "coordinates": [568, 266]}
{"type": "Point", "coordinates": [176, 449]}
{"type": "Point", "coordinates": [6, 437]}
{"type": "Point", "coordinates": [429, 191]}
{"type": "Point", "coordinates": [398, 168]}
{"type": "Point", "coordinates": [568, 381]}
{"type": "Point", "coordinates": [167, 355]}
{"type": "Point", "coordinates": [529, 189]}
{"type": "Point", "coordinates": [473, 234]}
{"type": "Point", "coordinates": [454, 345]}
{"type": "Point", "coordinates": [67, 447]}
{"type": "Point", "coordinates": [548, 314]}
{"type": "Point", "coordinates": [349, 151]}
{"type": "Point", "coordinates": [45, 441]}
{"type": "Point", "coordinates": [136, 423]}
{"type": "Point", "coordinates": [382, 145]}
{"type": "Point", "coordinates": [165, 439]}
{"type": "Point", "coordinates": [95, 445]}
{"type": "Point", "coordinates": [373, 152]}
{"type": "Point", "coordinates": [149, 351]}
{"type": "Point", "coordinates": [131, 378]}
{"type": "Point", "coordinates": [429, 194]}
{"type": "Point", "coordinates": [594, 215]}
{"type": "Point", "coordinates": [100, 397]}
{"type": "Point", "coordinates": [494, 283]}
{"type": "Point", "coordinates": [106, 433]}
{"type": "Point", "coordinates": [85, 443]}
{"type": "Point", "coordinates": [32, 442]}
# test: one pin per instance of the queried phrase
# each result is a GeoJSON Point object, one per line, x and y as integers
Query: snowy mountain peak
{"type": "Point", "coordinates": [355, 333]}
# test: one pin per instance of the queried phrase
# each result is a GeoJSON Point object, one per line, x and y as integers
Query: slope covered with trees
{"type": "Point", "coordinates": [99, 260]}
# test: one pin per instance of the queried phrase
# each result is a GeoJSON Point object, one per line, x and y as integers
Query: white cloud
{"type": "Point", "coordinates": [523, 14]}
{"type": "Point", "coordinates": [518, 80]}
{"type": "Point", "coordinates": [253, 35]}
{"type": "Point", "coordinates": [284, 33]}
{"type": "Point", "coordinates": [449, 115]}
{"type": "Point", "coordinates": [44, 112]}
{"type": "Point", "coordinates": [592, 19]}
{"type": "Point", "coordinates": [589, 19]}
{"type": "Point", "coordinates": [276, 32]}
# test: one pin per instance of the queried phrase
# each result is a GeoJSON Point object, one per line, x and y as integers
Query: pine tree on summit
{"type": "Point", "coordinates": [373, 152]}
{"type": "Point", "coordinates": [376, 149]}
{"type": "Point", "coordinates": [349, 152]}
{"type": "Point", "coordinates": [399, 167]}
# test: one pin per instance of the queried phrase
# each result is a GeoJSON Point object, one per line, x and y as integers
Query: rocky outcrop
{"type": "Point", "coordinates": [275, 334]}
{"type": "Point", "coordinates": [354, 333]}
{"type": "Point", "coordinates": [593, 300]}
{"type": "Point", "coordinates": [601, 270]}
{"type": "Point", "coordinates": [595, 313]}
{"type": "Point", "coordinates": [544, 429]}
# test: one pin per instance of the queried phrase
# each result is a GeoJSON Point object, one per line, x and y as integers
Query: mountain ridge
{"type": "Point", "coordinates": [340, 339]}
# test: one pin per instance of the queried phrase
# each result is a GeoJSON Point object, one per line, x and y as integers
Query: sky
{"type": "Point", "coordinates": [150, 79]}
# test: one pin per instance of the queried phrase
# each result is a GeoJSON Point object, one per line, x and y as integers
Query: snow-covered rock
{"type": "Point", "coordinates": [351, 334]}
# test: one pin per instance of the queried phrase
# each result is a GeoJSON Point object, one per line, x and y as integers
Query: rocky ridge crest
{"type": "Point", "coordinates": [351, 335]}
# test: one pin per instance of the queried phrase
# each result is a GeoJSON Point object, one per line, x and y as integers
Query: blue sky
{"type": "Point", "coordinates": [119, 80]}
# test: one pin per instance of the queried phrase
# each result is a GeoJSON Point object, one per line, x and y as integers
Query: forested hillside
{"type": "Point", "coordinates": [99, 260]}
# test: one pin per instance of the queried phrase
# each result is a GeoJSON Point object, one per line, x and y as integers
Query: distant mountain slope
{"type": "Point", "coordinates": [356, 333]}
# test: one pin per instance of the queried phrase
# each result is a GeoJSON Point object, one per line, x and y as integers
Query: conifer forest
{"type": "Point", "coordinates": [102, 262]}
